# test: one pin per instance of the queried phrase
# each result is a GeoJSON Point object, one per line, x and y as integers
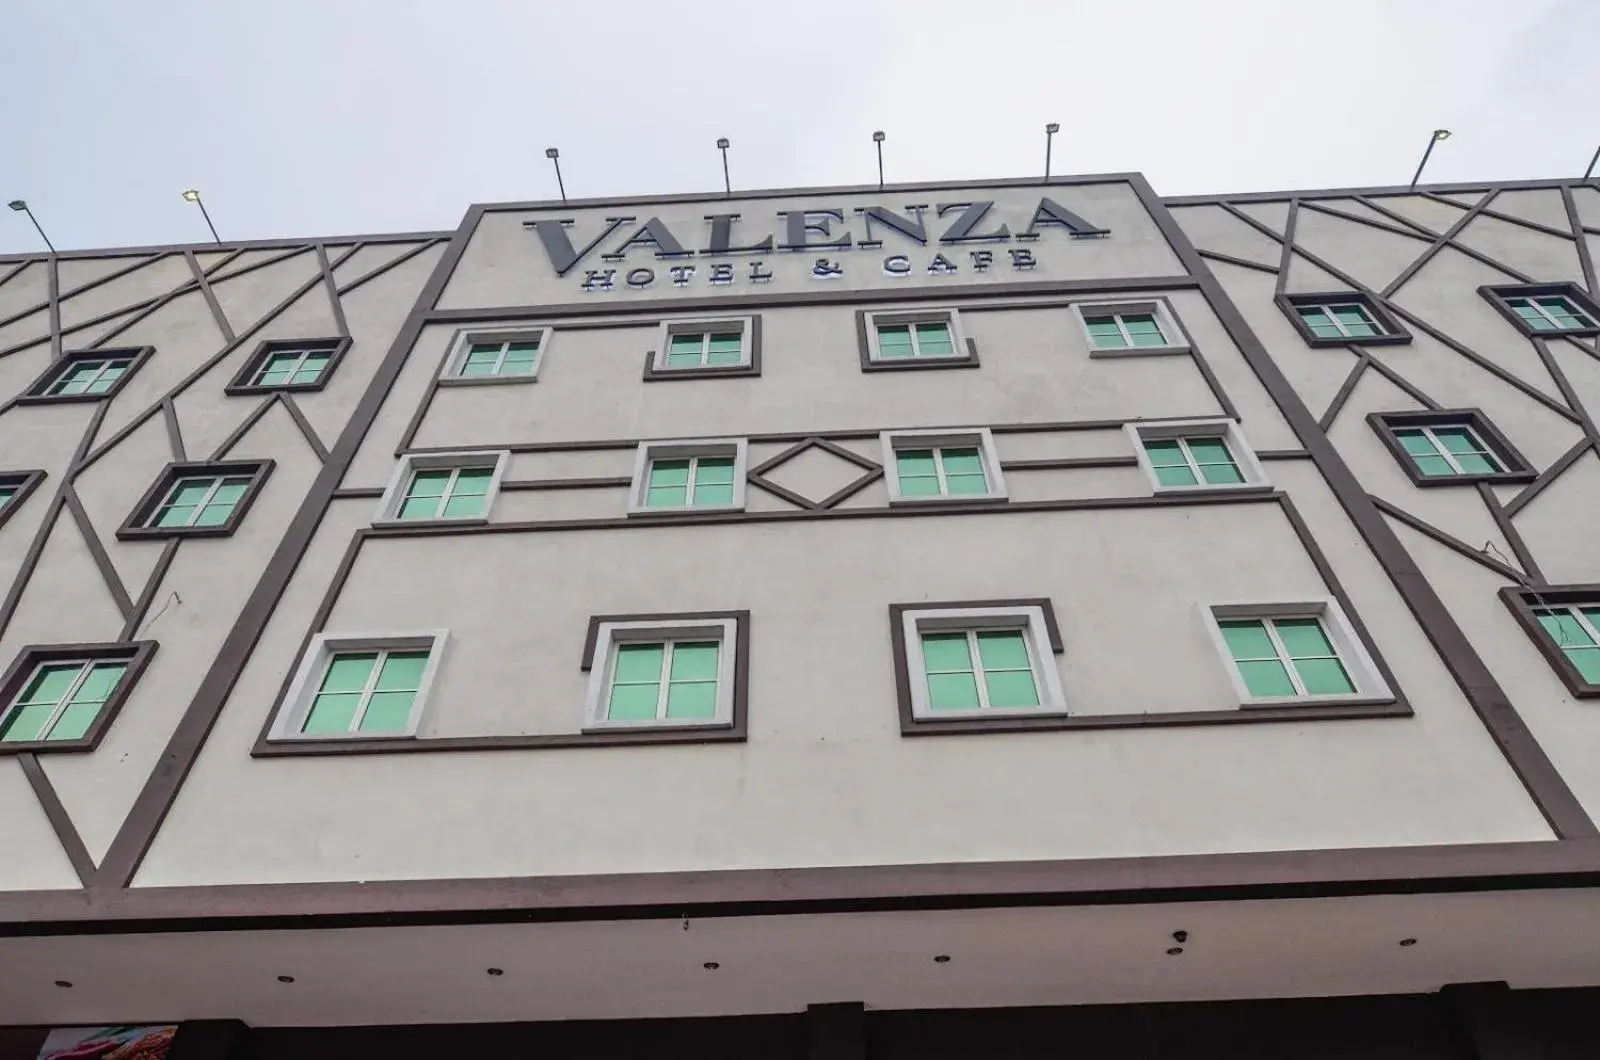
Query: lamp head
{"type": "Point", "coordinates": [1053, 128]}
{"type": "Point", "coordinates": [551, 152]}
{"type": "Point", "coordinates": [722, 142]}
{"type": "Point", "coordinates": [18, 205]}
{"type": "Point", "coordinates": [877, 137]}
{"type": "Point", "coordinates": [1441, 134]}
{"type": "Point", "coordinates": [191, 195]}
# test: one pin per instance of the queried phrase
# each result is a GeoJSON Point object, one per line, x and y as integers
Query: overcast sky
{"type": "Point", "coordinates": [325, 117]}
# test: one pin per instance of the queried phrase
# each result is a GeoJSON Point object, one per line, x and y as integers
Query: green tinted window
{"type": "Point", "coordinates": [969, 670]}
{"type": "Point", "coordinates": [60, 701]}
{"type": "Point", "coordinates": [902, 341]}
{"type": "Point", "coordinates": [1285, 657]}
{"type": "Point", "coordinates": [664, 680]}
{"type": "Point", "coordinates": [369, 692]}
{"type": "Point", "coordinates": [292, 367]}
{"type": "Point", "coordinates": [1182, 462]}
{"type": "Point", "coordinates": [690, 482]}
{"type": "Point", "coordinates": [953, 471]}
{"type": "Point", "coordinates": [490, 357]}
{"type": "Point", "coordinates": [89, 377]}
{"type": "Point", "coordinates": [200, 500]}
{"type": "Point", "coordinates": [1344, 320]}
{"type": "Point", "coordinates": [447, 493]}
{"type": "Point", "coordinates": [1445, 450]}
{"type": "Point", "coordinates": [1573, 630]}
{"type": "Point", "coordinates": [705, 349]}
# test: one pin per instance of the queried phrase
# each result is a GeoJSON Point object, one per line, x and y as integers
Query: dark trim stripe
{"type": "Point", "coordinates": [60, 820]}
{"type": "Point", "coordinates": [1544, 784]}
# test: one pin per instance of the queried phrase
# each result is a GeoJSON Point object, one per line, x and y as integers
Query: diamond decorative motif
{"type": "Point", "coordinates": [815, 473]}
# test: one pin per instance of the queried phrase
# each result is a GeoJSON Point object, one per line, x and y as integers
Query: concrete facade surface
{"type": "Point", "coordinates": [1466, 751]}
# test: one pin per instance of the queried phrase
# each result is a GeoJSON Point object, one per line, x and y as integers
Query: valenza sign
{"type": "Point", "coordinates": [937, 239]}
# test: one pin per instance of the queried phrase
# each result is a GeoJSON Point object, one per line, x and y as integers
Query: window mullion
{"type": "Point", "coordinates": [368, 689]}
{"type": "Point", "coordinates": [66, 698]}
{"type": "Point", "coordinates": [1439, 448]}
{"type": "Point", "coordinates": [1122, 328]}
{"type": "Point", "coordinates": [977, 670]}
{"type": "Point", "coordinates": [449, 492]}
{"type": "Point", "coordinates": [1588, 627]}
{"type": "Point", "coordinates": [665, 687]}
{"type": "Point", "coordinates": [694, 473]}
{"type": "Point", "coordinates": [1190, 459]}
{"type": "Point", "coordinates": [1284, 657]}
{"type": "Point", "coordinates": [938, 471]}
{"type": "Point", "coordinates": [199, 509]}
{"type": "Point", "coordinates": [705, 348]}
{"type": "Point", "coordinates": [500, 356]}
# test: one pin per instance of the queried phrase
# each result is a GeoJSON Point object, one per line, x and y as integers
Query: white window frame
{"type": "Point", "coordinates": [980, 438]}
{"type": "Point", "coordinates": [1556, 327]}
{"type": "Point", "coordinates": [1344, 332]}
{"type": "Point", "coordinates": [1166, 320]}
{"type": "Point", "coordinates": [1035, 635]}
{"type": "Point", "coordinates": [388, 513]}
{"type": "Point", "coordinates": [648, 452]}
{"type": "Point", "coordinates": [1353, 655]}
{"type": "Point", "coordinates": [463, 341]}
{"type": "Point", "coordinates": [296, 706]}
{"type": "Point", "coordinates": [1232, 435]}
{"type": "Point", "coordinates": [603, 664]}
{"type": "Point", "coordinates": [951, 318]}
{"type": "Point", "coordinates": [1426, 429]}
{"type": "Point", "coordinates": [705, 325]}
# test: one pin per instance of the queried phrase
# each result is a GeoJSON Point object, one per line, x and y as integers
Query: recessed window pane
{"type": "Point", "coordinates": [706, 495]}
{"type": "Point", "coordinates": [1416, 443]}
{"type": "Point", "coordinates": [24, 724]}
{"type": "Point", "coordinates": [402, 671]}
{"type": "Point", "coordinates": [1164, 452]}
{"type": "Point", "coordinates": [933, 340]}
{"type": "Point", "coordinates": [419, 508]}
{"type": "Point", "coordinates": [1222, 475]}
{"type": "Point", "coordinates": [1266, 678]}
{"type": "Point", "coordinates": [725, 349]}
{"type": "Point", "coordinates": [459, 507]}
{"type": "Point", "coordinates": [1324, 677]}
{"type": "Point", "coordinates": [1176, 476]}
{"type": "Point", "coordinates": [348, 672]}
{"type": "Point", "coordinates": [96, 688]}
{"type": "Point", "coordinates": [639, 662]}
{"type": "Point", "coordinates": [669, 473]}
{"type": "Point", "coordinates": [388, 712]}
{"type": "Point", "coordinates": [894, 342]}
{"type": "Point", "coordinates": [1303, 637]}
{"type": "Point", "coordinates": [75, 721]}
{"type": "Point", "coordinates": [667, 496]}
{"type": "Point", "coordinates": [428, 483]}
{"type": "Point", "coordinates": [1248, 639]}
{"type": "Point", "coordinates": [1003, 650]}
{"type": "Point", "coordinates": [694, 699]}
{"type": "Point", "coordinates": [697, 661]}
{"type": "Point", "coordinates": [714, 471]}
{"type": "Point", "coordinates": [915, 462]}
{"type": "Point", "coordinates": [473, 481]}
{"type": "Point", "coordinates": [966, 485]}
{"type": "Point", "coordinates": [1587, 663]}
{"type": "Point", "coordinates": [1012, 688]}
{"type": "Point", "coordinates": [1434, 465]}
{"type": "Point", "coordinates": [1209, 451]}
{"type": "Point", "coordinates": [50, 683]}
{"type": "Point", "coordinates": [962, 462]}
{"type": "Point", "coordinates": [946, 652]}
{"type": "Point", "coordinates": [633, 702]}
{"type": "Point", "coordinates": [952, 692]}
{"type": "Point", "coordinates": [332, 712]}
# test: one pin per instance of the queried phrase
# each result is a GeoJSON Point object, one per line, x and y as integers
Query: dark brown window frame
{"type": "Point", "coordinates": [1517, 467]}
{"type": "Point", "coordinates": [1523, 599]}
{"type": "Point", "coordinates": [1496, 294]}
{"type": "Point", "coordinates": [25, 483]}
{"type": "Point", "coordinates": [1394, 334]}
{"type": "Point", "coordinates": [136, 653]}
{"type": "Point", "coordinates": [969, 359]}
{"type": "Point", "coordinates": [35, 394]}
{"type": "Point", "coordinates": [735, 733]}
{"type": "Point", "coordinates": [652, 374]}
{"type": "Point", "coordinates": [135, 528]}
{"type": "Point", "coordinates": [241, 385]}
